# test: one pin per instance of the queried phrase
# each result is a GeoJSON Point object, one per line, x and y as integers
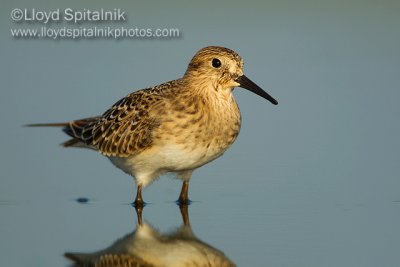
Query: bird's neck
{"type": "Point", "coordinates": [209, 89]}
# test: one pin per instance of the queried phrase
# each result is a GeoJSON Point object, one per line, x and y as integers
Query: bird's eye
{"type": "Point", "coordinates": [216, 63]}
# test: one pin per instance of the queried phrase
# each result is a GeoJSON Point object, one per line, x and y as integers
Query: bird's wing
{"type": "Point", "coordinates": [123, 130]}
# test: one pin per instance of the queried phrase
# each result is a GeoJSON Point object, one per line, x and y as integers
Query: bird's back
{"type": "Point", "coordinates": [127, 127]}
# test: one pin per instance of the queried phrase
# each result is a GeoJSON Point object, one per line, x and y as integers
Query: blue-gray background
{"type": "Point", "coordinates": [314, 181]}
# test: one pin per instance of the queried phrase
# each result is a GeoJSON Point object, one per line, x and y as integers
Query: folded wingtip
{"type": "Point", "coordinates": [57, 124]}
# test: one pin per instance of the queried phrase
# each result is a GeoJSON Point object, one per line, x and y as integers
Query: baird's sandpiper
{"type": "Point", "coordinates": [148, 247]}
{"type": "Point", "coordinates": [177, 126]}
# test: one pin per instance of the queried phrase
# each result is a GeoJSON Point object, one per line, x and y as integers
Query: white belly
{"type": "Point", "coordinates": [148, 165]}
{"type": "Point", "coordinates": [176, 158]}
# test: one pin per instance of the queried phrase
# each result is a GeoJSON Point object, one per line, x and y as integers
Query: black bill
{"type": "Point", "coordinates": [246, 83]}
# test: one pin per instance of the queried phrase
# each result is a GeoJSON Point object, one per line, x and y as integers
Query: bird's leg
{"type": "Point", "coordinates": [183, 196]}
{"type": "Point", "coordinates": [139, 210]}
{"type": "Point", "coordinates": [139, 203]}
{"type": "Point", "coordinates": [185, 214]}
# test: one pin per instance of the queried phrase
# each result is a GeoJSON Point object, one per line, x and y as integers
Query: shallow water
{"type": "Point", "coordinates": [313, 181]}
{"type": "Point", "coordinates": [281, 224]}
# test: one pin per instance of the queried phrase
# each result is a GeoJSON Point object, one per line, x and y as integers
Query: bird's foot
{"type": "Point", "coordinates": [183, 201]}
{"type": "Point", "coordinates": [139, 204]}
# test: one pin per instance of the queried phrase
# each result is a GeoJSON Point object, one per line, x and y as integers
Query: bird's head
{"type": "Point", "coordinates": [223, 68]}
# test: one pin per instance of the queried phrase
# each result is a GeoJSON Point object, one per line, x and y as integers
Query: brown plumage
{"type": "Point", "coordinates": [147, 247]}
{"type": "Point", "coordinates": [177, 126]}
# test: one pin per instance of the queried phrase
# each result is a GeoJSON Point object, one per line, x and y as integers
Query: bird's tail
{"type": "Point", "coordinates": [69, 143]}
{"type": "Point", "coordinates": [57, 124]}
{"type": "Point", "coordinates": [106, 259]}
{"type": "Point", "coordinates": [72, 128]}
{"type": "Point", "coordinates": [82, 259]}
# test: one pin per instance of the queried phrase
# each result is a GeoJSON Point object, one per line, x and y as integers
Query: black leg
{"type": "Point", "coordinates": [139, 203]}
{"type": "Point", "coordinates": [139, 211]}
{"type": "Point", "coordinates": [185, 214]}
{"type": "Point", "coordinates": [183, 196]}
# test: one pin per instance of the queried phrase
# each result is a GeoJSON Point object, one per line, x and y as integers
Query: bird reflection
{"type": "Point", "coordinates": [146, 247]}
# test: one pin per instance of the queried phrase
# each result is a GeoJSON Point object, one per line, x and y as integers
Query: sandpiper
{"type": "Point", "coordinates": [148, 247]}
{"type": "Point", "coordinates": [177, 126]}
